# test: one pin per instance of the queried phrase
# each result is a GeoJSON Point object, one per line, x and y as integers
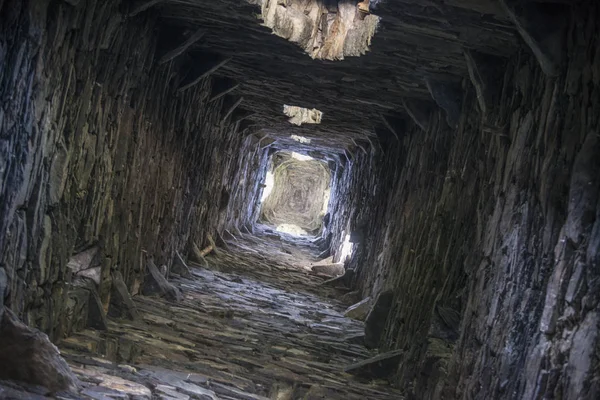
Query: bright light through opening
{"type": "Point", "coordinates": [300, 139]}
{"type": "Point", "coordinates": [346, 250]}
{"type": "Point", "coordinates": [291, 229]}
{"type": "Point", "coordinates": [269, 182]}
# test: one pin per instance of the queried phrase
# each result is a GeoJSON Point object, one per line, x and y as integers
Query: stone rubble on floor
{"type": "Point", "coordinates": [250, 328]}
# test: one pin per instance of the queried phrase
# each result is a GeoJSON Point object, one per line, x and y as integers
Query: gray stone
{"type": "Point", "coordinates": [27, 355]}
{"type": "Point", "coordinates": [155, 284]}
{"type": "Point", "coordinates": [180, 267]}
{"type": "Point", "coordinates": [329, 269]}
{"type": "Point", "coordinates": [3, 289]}
{"type": "Point", "coordinates": [359, 310]}
{"type": "Point", "coordinates": [377, 318]}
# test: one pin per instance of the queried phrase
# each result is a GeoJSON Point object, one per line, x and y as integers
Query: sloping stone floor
{"type": "Point", "coordinates": [254, 325]}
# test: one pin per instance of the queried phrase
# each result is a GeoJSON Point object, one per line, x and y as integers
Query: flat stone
{"type": "Point", "coordinates": [380, 366]}
{"type": "Point", "coordinates": [121, 303]}
{"type": "Point", "coordinates": [359, 310]}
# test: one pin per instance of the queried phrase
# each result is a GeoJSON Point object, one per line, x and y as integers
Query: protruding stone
{"type": "Point", "coordinates": [542, 27]}
{"type": "Point", "coordinates": [96, 317]}
{"type": "Point", "coordinates": [179, 50]}
{"type": "Point", "coordinates": [143, 5]}
{"type": "Point", "coordinates": [380, 366]}
{"type": "Point", "coordinates": [329, 269]}
{"type": "Point", "coordinates": [86, 264]}
{"type": "Point", "coordinates": [377, 318]}
{"type": "Point", "coordinates": [419, 111]}
{"type": "Point", "coordinates": [121, 303]}
{"type": "Point", "coordinates": [203, 70]}
{"type": "Point", "coordinates": [223, 87]}
{"type": "Point", "coordinates": [486, 77]}
{"type": "Point", "coordinates": [27, 355]}
{"type": "Point", "coordinates": [449, 96]}
{"type": "Point", "coordinates": [3, 288]}
{"type": "Point", "coordinates": [584, 191]}
{"type": "Point", "coordinates": [155, 284]}
{"type": "Point", "coordinates": [180, 267]}
{"type": "Point", "coordinates": [359, 310]}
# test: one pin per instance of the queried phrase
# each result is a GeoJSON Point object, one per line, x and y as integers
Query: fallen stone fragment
{"type": "Point", "coordinates": [86, 264]}
{"type": "Point", "coordinates": [377, 318]}
{"type": "Point", "coordinates": [350, 298]}
{"type": "Point", "coordinates": [380, 366]}
{"type": "Point", "coordinates": [344, 280]}
{"type": "Point", "coordinates": [358, 338]}
{"type": "Point", "coordinates": [359, 310]}
{"type": "Point", "coordinates": [121, 303]}
{"type": "Point", "coordinates": [169, 392]}
{"type": "Point", "coordinates": [27, 355]}
{"type": "Point", "coordinates": [156, 285]}
{"type": "Point", "coordinates": [180, 267]}
{"type": "Point", "coordinates": [329, 269]}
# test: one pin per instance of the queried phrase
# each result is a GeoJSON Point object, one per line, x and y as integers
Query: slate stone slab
{"type": "Point", "coordinates": [377, 318]}
{"type": "Point", "coordinates": [155, 284]}
{"type": "Point", "coordinates": [27, 355]}
{"type": "Point", "coordinates": [380, 366]}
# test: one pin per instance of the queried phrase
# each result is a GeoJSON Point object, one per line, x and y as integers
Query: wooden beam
{"type": "Point", "coordinates": [203, 75]}
{"type": "Point", "coordinates": [179, 50]}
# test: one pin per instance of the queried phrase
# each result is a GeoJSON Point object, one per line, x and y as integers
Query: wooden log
{"type": "Point", "coordinates": [182, 48]}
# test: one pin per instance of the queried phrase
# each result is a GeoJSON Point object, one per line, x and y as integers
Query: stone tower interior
{"type": "Point", "coordinates": [299, 199]}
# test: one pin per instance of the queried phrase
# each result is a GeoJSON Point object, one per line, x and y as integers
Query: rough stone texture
{"type": "Point", "coordinates": [377, 318]}
{"type": "Point", "coordinates": [298, 195]}
{"type": "Point", "coordinates": [325, 30]}
{"type": "Point", "coordinates": [121, 303]}
{"type": "Point", "coordinates": [28, 355]}
{"type": "Point", "coordinates": [155, 284]}
{"type": "Point", "coordinates": [486, 227]}
{"type": "Point", "coordinates": [359, 310]}
{"type": "Point", "coordinates": [497, 222]}
{"type": "Point", "coordinates": [98, 150]}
